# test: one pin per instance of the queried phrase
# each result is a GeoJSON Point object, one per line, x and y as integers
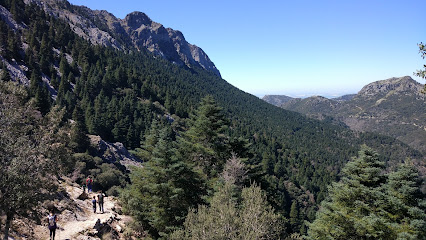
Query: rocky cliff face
{"type": "Point", "coordinates": [166, 42]}
{"type": "Point", "coordinates": [135, 31]}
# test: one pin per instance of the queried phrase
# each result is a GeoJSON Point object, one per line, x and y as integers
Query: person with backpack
{"type": "Point", "coordinates": [94, 204]}
{"type": "Point", "coordinates": [51, 221]}
{"type": "Point", "coordinates": [101, 201]}
{"type": "Point", "coordinates": [89, 183]}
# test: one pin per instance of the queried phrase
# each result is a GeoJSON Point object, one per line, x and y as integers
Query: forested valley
{"type": "Point", "coordinates": [218, 163]}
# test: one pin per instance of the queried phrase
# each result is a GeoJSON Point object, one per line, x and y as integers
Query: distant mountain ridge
{"type": "Point", "coordinates": [135, 31]}
{"type": "Point", "coordinates": [393, 107]}
{"type": "Point", "coordinates": [277, 100]}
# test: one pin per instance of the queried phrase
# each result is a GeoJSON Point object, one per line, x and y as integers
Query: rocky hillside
{"type": "Point", "coordinates": [277, 100]}
{"type": "Point", "coordinates": [135, 31]}
{"type": "Point", "coordinates": [393, 107]}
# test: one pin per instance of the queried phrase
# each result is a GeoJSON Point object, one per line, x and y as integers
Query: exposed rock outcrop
{"type": "Point", "coordinates": [135, 31]}
{"type": "Point", "coordinates": [402, 84]}
{"type": "Point", "coordinates": [112, 152]}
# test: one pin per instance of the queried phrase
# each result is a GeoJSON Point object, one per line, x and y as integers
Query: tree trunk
{"type": "Point", "coordinates": [9, 217]}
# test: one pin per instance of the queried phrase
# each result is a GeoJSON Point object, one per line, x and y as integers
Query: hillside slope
{"type": "Point", "coordinates": [394, 107]}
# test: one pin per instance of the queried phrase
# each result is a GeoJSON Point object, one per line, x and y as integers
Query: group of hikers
{"type": "Point", "coordinates": [100, 201]}
{"type": "Point", "coordinates": [52, 218]}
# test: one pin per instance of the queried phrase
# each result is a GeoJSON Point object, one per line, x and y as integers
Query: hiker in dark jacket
{"type": "Point", "coordinates": [51, 221]}
{"type": "Point", "coordinates": [101, 201]}
{"type": "Point", "coordinates": [94, 204]}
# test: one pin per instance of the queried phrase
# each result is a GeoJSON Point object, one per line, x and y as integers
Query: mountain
{"type": "Point", "coordinates": [345, 97]}
{"type": "Point", "coordinates": [276, 100]}
{"type": "Point", "coordinates": [394, 107]}
{"type": "Point", "coordinates": [279, 100]}
{"type": "Point", "coordinates": [73, 61]}
{"type": "Point", "coordinates": [135, 32]}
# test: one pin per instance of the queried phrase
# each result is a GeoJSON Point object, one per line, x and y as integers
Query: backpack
{"type": "Point", "coordinates": [52, 221]}
{"type": "Point", "coordinates": [101, 198]}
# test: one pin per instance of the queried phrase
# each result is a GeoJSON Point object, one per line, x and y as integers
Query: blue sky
{"type": "Point", "coordinates": [294, 48]}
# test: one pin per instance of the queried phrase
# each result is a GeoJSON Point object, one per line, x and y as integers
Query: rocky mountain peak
{"type": "Point", "coordinates": [135, 31]}
{"type": "Point", "coordinates": [401, 84]}
{"type": "Point", "coordinates": [136, 19]}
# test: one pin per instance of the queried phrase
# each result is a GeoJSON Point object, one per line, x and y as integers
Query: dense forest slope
{"type": "Point", "coordinates": [392, 107]}
{"type": "Point", "coordinates": [120, 95]}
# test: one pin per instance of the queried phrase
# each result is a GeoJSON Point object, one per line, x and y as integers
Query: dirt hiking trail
{"type": "Point", "coordinates": [81, 223]}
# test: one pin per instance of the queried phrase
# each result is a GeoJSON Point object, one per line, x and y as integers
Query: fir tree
{"type": "Point", "coordinates": [351, 212]}
{"type": "Point", "coordinates": [42, 99]}
{"type": "Point", "coordinates": [363, 205]}
{"type": "Point", "coordinates": [79, 140]}
{"type": "Point", "coordinates": [151, 139]}
{"type": "Point", "coordinates": [405, 203]}
{"type": "Point", "coordinates": [64, 67]}
{"type": "Point", "coordinates": [163, 190]}
{"type": "Point", "coordinates": [63, 89]}
{"type": "Point", "coordinates": [294, 216]}
{"type": "Point", "coordinates": [205, 141]}
{"type": "Point", "coordinates": [13, 45]}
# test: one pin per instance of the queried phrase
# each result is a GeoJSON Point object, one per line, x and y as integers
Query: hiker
{"type": "Point", "coordinates": [84, 187]}
{"type": "Point", "coordinates": [94, 204]}
{"type": "Point", "coordinates": [89, 183]}
{"type": "Point", "coordinates": [101, 201]}
{"type": "Point", "coordinates": [51, 221]}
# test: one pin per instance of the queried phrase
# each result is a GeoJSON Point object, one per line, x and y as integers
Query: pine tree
{"type": "Point", "coordinates": [13, 45]}
{"type": "Point", "coordinates": [294, 216]}
{"type": "Point", "coordinates": [35, 82]}
{"type": "Point", "coordinates": [79, 140]}
{"type": "Point", "coordinates": [354, 209]}
{"type": "Point", "coordinates": [45, 55]}
{"type": "Point", "coordinates": [14, 10]}
{"type": "Point", "coordinates": [64, 67]}
{"type": "Point", "coordinates": [144, 152]}
{"type": "Point", "coordinates": [205, 141]}
{"type": "Point", "coordinates": [405, 203]}
{"type": "Point", "coordinates": [163, 190]}
{"type": "Point", "coordinates": [42, 99]}
{"type": "Point", "coordinates": [64, 87]}
{"type": "Point", "coordinates": [54, 81]}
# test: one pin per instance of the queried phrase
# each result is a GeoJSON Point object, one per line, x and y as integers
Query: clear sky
{"type": "Point", "coordinates": [298, 47]}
